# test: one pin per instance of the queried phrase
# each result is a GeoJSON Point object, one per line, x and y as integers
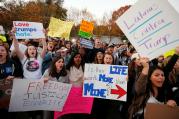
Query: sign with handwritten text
{"type": "Point", "coordinates": [86, 29]}
{"type": "Point", "coordinates": [151, 26]}
{"type": "Point", "coordinates": [86, 26]}
{"type": "Point", "coordinates": [105, 81]}
{"type": "Point", "coordinates": [28, 95]}
{"type": "Point", "coordinates": [28, 30]}
{"type": "Point", "coordinates": [76, 103]}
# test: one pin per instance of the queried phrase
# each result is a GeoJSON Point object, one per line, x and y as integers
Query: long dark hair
{"type": "Point", "coordinates": [140, 101]}
{"type": "Point", "coordinates": [96, 59]}
{"type": "Point", "coordinates": [53, 71]}
{"type": "Point", "coordinates": [161, 90]}
{"type": "Point", "coordinates": [71, 60]}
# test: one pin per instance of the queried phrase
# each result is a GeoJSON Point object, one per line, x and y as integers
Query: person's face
{"type": "Point", "coordinates": [176, 66]}
{"type": "Point", "coordinates": [50, 46]}
{"type": "Point", "coordinates": [68, 46]}
{"type": "Point", "coordinates": [3, 53]}
{"type": "Point", "coordinates": [110, 50]}
{"type": "Point", "coordinates": [77, 60]}
{"type": "Point", "coordinates": [108, 59]}
{"type": "Point", "coordinates": [99, 55]}
{"type": "Point", "coordinates": [78, 43]}
{"type": "Point", "coordinates": [160, 59]}
{"type": "Point", "coordinates": [63, 53]}
{"type": "Point", "coordinates": [97, 42]}
{"type": "Point", "coordinates": [157, 78]}
{"type": "Point", "coordinates": [59, 64]}
{"type": "Point", "coordinates": [137, 62]}
{"type": "Point", "coordinates": [32, 51]}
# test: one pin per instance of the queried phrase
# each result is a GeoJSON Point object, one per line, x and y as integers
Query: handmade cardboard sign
{"type": "Point", "coordinates": [59, 28]}
{"type": "Point", "coordinates": [158, 111]}
{"type": "Point", "coordinates": [86, 29]}
{"type": "Point", "coordinates": [28, 30]}
{"type": "Point", "coordinates": [105, 81]}
{"type": "Point", "coordinates": [151, 26]}
{"type": "Point", "coordinates": [28, 95]}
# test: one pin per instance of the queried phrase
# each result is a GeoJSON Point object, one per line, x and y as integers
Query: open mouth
{"type": "Point", "coordinates": [1, 56]}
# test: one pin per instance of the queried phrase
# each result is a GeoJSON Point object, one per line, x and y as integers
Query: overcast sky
{"type": "Point", "coordinates": [99, 7]}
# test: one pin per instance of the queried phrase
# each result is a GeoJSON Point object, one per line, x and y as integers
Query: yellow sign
{"type": "Point", "coordinates": [169, 53]}
{"type": "Point", "coordinates": [3, 38]}
{"type": "Point", "coordinates": [86, 26]}
{"type": "Point", "coordinates": [59, 28]}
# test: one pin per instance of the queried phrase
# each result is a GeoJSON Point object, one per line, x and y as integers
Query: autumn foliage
{"type": "Point", "coordinates": [32, 11]}
{"type": "Point", "coordinates": [42, 11]}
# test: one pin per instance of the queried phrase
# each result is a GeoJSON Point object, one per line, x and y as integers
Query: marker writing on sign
{"type": "Point", "coordinates": [21, 24]}
{"type": "Point", "coordinates": [34, 86]}
{"type": "Point", "coordinates": [89, 88]}
{"type": "Point", "coordinates": [140, 16]}
{"type": "Point", "coordinates": [154, 43]}
{"type": "Point", "coordinates": [27, 103]}
{"type": "Point", "coordinates": [121, 70]}
{"type": "Point", "coordinates": [150, 27]}
{"type": "Point", "coordinates": [103, 78]}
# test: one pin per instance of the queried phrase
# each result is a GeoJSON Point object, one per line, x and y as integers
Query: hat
{"type": "Point", "coordinates": [135, 56]}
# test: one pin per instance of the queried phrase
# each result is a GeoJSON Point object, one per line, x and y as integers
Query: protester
{"type": "Point", "coordinates": [8, 71]}
{"type": "Point", "coordinates": [99, 58]}
{"type": "Point", "coordinates": [148, 90]}
{"type": "Point", "coordinates": [76, 69]}
{"type": "Point", "coordinates": [31, 60]}
{"type": "Point", "coordinates": [57, 72]}
{"type": "Point", "coordinates": [8, 68]}
{"type": "Point", "coordinates": [76, 75]}
{"type": "Point", "coordinates": [48, 56]}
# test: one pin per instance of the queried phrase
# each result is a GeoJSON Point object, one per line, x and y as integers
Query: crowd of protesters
{"type": "Point", "coordinates": [56, 59]}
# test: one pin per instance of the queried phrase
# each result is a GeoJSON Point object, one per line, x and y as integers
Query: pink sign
{"type": "Point", "coordinates": [76, 103]}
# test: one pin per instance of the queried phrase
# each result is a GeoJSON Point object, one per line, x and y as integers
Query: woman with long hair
{"type": "Point", "coordinates": [57, 71]}
{"type": "Point", "coordinates": [99, 58]}
{"type": "Point", "coordinates": [148, 89]}
{"type": "Point", "coordinates": [76, 69]}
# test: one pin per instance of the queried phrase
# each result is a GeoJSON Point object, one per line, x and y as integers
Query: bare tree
{"type": "Point", "coordinates": [77, 15]}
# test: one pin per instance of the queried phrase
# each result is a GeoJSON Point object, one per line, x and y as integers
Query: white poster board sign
{"type": "Point", "coordinates": [105, 81]}
{"type": "Point", "coordinates": [29, 95]}
{"type": "Point", "coordinates": [151, 26]}
{"type": "Point", "coordinates": [28, 30]}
